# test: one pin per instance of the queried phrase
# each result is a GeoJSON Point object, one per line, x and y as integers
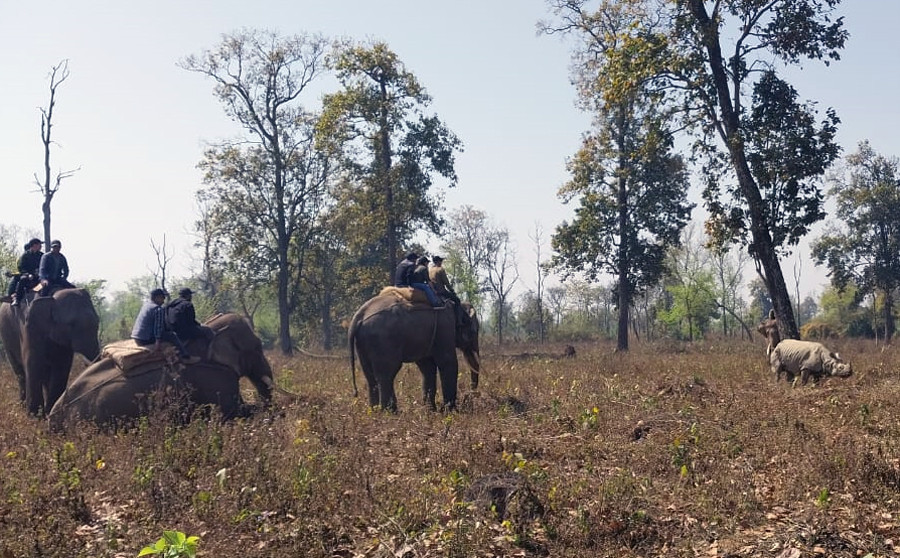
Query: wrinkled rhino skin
{"type": "Point", "coordinates": [806, 358]}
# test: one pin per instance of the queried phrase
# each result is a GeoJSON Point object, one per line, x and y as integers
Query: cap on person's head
{"type": "Point", "coordinates": [56, 244]}
{"type": "Point", "coordinates": [185, 292]}
{"type": "Point", "coordinates": [158, 292]}
{"type": "Point", "coordinates": [422, 261]}
{"type": "Point", "coordinates": [411, 256]}
{"type": "Point", "coordinates": [437, 259]}
{"type": "Point", "coordinates": [33, 241]}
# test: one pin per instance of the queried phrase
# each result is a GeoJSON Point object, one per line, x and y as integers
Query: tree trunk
{"type": "Point", "coordinates": [888, 315]}
{"type": "Point", "coordinates": [384, 148]}
{"type": "Point", "coordinates": [624, 290]}
{"type": "Point", "coordinates": [762, 246]}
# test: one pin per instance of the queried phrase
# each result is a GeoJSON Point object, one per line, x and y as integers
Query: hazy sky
{"type": "Point", "coordinates": [136, 124]}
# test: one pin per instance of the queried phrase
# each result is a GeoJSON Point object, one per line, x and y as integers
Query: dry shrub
{"type": "Point", "coordinates": [662, 450]}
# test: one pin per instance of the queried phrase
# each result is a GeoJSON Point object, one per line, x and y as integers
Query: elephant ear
{"type": "Point", "coordinates": [40, 317]}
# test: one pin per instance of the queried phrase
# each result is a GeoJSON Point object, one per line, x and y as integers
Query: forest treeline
{"type": "Point", "coordinates": [304, 214]}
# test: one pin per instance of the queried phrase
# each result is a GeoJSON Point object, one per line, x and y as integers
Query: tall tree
{"type": "Point", "coordinates": [468, 245]}
{"type": "Point", "coordinates": [392, 150]}
{"type": "Point", "coordinates": [863, 245]}
{"type": "Point", "coordinates": [541, 269]}
{"type": "Point", "coordinates": [691, 287]}
{"type": "Point", "coordinates": [48, 184]}
{"type": "Point", "coordinates": [631, 187]}
{"type": "Point", "coordinates": [680, 48]}
{"type": "Point", "coordinates": [268, 184]}
{"type": "Point", "coordinates": [502, 275]}
{"type": "Point", "coordinates": [728, 268]}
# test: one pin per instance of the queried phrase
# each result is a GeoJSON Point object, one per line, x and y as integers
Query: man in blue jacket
{"type": "Point", "coordinates": [150, 327]}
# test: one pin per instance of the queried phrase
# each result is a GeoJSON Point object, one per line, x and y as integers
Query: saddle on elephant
{"type": "Point", "coordinates": [132, 359]}
{"type": "Point", "coordinates": [409, 294]}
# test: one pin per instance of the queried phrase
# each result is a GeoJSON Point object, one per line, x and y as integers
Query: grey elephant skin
{"type": "Point", "coordinates": [106, 395]}
{"type": "Point", "coordinates": [41, 339]}
{"type": "Point", "coordinates": [388, 330]}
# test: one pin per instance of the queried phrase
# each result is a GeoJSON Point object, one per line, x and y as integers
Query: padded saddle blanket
{"type": "Point", "coordinates": [408, 294]}
{"type": "Point", "coordinates": [132, 358]}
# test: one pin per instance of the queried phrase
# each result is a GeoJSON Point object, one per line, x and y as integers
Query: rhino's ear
{"type": "Point", "coordinates": [836, 356]}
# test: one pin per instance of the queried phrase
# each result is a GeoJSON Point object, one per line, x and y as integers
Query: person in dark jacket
{"type": "Point", "coordinates": [404, 270]}
{"type": "Point", "coordinates": [419, 280]}
{"type": "Point", "coordinates": [54, 270]}
{"type": "Point", "coordinates": [150, 327]}
{"type": "Point", "coordinates": [26, 275]}
{"type": "Point", "coordinates": [182, 317]}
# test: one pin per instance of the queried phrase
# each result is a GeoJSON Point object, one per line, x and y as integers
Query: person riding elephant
{"type": "Point", "coordinates": [150, 327]}
{"type": "Point", "coordinates": [182, 317]}
{"type": "Point", "coordinates": [26, 276]}
{"type": "Point", "coordinates": [403, 273]}
{"type": "Point", "coordinates": [40, 341]}
{"type": "Point", "coordinates": [54, 270]}
{"type": "Point", "coordinates": [109, 391]}
{"type": "Point", "coordinates": [389, 330]}
{"type": "Point", "coordinates": [442, 287]}
{"type": "Point", "coordinates": [419, 280]}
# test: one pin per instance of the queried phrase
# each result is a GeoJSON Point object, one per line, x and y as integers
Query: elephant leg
{"type": "Point", "coordinates": [387, 398]}
{"type": "Point", "coordinates": [429, 381]}
{"type": "Point", "coordinates": [449, 369]}
{"type": "Point", "coordinates": [58, 377]}
{"type": "Point", "coordinates": [19, 370]}
{"type": "Point", "coordinates": [368, 368]}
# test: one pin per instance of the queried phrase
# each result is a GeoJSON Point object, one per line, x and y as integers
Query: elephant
{"type": "Point", "coordinates": [41, 339]}
{"type": "Point", "coordinates": [107, 395]}
{"type": "Point", "coordinates": [389, 330]}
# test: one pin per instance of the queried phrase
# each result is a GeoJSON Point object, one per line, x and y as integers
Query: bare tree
{"type": "Point", "coordinates": [538, 240]}
{"type": "Point", "coordinates": [728, 266]}
{"type": "Point", "coordinates": [49, 186]}
{"type": "Point", "coordinates": [502, 274]}
{"type": "Point", "coordinates": [556, 298]}
{"type": "Point", "coordinates": [162, 262]}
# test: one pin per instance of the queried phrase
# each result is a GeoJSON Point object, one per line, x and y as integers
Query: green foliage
{"type": "Point", "coordinates": [841, 314]}
{"type": "Point", "coordinates": [530, 315]}
{"type": "Point", "coordinates": [788, 152]}
{"type": "Point", "coordinates": [863, 245]}
{"type": "Point", "coordinates": [469, 246]}
{"type": "Point", "coordinates": [263, 193]}
{"type": "Point", "coordinates": [631, 187]}
{"type": "Point", "coordinates": [389, 149]}
{"type": "Point", "coordinates": [699, 62]}
{"type": "Point", "coordinates": [691, 288]}
{"type": "Point", "coordinates": [173, 544]}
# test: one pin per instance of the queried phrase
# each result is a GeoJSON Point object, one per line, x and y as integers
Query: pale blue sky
{"type": "Point", "coordinates": [136, 124]}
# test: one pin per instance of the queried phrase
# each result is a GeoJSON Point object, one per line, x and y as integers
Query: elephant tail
{"type": "Point", "coordinates": [354, 325]}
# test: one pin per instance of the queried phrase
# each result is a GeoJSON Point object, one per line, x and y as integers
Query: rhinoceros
{"type": "Point", "coordinates": [804, 358]}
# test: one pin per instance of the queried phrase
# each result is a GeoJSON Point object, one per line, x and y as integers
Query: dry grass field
{"type": "Point", "coordinates": [667, 450]}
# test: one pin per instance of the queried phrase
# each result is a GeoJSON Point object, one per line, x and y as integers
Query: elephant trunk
{"type": "Point", "coordinates": [90, 350]}
{"type": "Point", "coordinates": [473, 360]}
{"type": "Point", "coordinates": [270, 383]}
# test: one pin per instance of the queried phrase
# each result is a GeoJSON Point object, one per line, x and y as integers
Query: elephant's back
{"type": "Point", "coordinates": [104, 394]}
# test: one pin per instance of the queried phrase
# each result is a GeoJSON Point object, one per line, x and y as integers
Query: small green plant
{"type": "Point", "coordinates": [590, 418]}
{"type": "Point", "coordinates": [865, 413]}
{"type": "Point", "coordinates": [173, 544]}
{"type": "Point", "coordinates": [823, 498]}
